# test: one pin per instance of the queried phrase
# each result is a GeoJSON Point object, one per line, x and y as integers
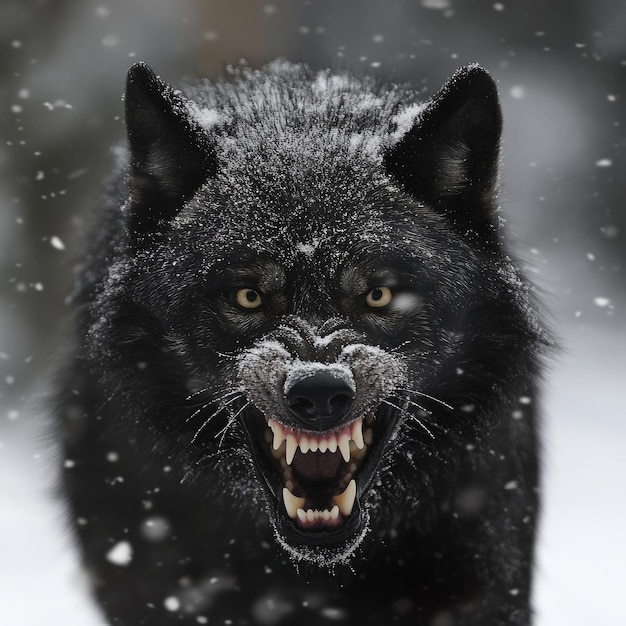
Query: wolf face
{"type": "Point", "coordinates": [305, 312]}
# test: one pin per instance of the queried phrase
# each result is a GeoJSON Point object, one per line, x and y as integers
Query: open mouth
{"type": "Point", "coordinates": [316, 478]}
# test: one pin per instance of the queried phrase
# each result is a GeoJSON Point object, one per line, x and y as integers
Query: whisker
{"type": "Point", "coordinates": [405, 412]}
{"type": "Point", "coordinates": [237, 393]}
{"type": "Point", "coordinates": [396, 348]}
{"type": "Point", "coordinates": [204, 406]}
{"type": "Point", "coordinates": [419, 406]}
{"type": "Point", "coordinates": [231, 421]}
{"type": "Point", "coordinates": [213, 415]}
{"type": "Point", "coordinates": [196, 393]}
{"type": "Point", "coordinates": [425, 395]}
{"type": "Point", "coordinates": [217, 398]}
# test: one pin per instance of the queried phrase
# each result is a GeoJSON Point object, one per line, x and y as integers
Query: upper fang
{"type": "Point", "coordinates": [292, 446]}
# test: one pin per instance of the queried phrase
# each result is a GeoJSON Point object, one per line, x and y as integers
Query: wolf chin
{"type": "Point", "coordinates": [302, 379]}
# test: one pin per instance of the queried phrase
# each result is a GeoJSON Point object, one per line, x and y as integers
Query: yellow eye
{"type": "Point", "coordinates": [379, 297]}
{"type": "Point", "coordinates": [248, 299]}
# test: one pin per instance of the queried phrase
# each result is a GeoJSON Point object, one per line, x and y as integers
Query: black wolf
{"type": "Point", "coordinates": [303, 379]}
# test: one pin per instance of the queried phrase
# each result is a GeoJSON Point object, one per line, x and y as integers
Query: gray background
{"type": "Point", "coordinates": [561, 71]}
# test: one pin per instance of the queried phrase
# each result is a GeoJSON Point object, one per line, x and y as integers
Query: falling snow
{"type": "Point", "coordinates": [584, 416]}
{"type": "Point", "coordinates": [120, 554]}
{"type": "Point", "coordinates": [56, 243]}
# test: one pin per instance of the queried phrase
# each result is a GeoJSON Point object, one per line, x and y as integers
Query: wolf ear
{"type": "Point", "coordinates": [449, 158]}
{"type": "Point", "coordinates": [170, 154]}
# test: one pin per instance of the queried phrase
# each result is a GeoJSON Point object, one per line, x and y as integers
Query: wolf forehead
{"type": "Point", "coordinates": [291, 162]}
{"type": "Point", "coordinates": [285, 101]}
{"type": "Point", "coordinates": [302, 163]}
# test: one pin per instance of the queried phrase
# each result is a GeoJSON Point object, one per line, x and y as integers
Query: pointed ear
{"type": "Point", "coordinates": [449, 158]}
{"type": "Point", "coordinates": [170, 154]}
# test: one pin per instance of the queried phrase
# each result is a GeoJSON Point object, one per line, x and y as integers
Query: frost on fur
{"type": "Point", "coordinates": [297, 326]}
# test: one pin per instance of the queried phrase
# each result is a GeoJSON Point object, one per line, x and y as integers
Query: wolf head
{"type": "Point", "coordinates": [307, 289]}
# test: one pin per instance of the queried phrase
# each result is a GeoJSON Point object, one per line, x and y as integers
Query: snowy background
{"type": "Point", "coordinates": [561, 70]}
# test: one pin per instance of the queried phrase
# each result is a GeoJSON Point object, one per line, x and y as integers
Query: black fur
{"type": "Point", "coordinates": [315, 250]}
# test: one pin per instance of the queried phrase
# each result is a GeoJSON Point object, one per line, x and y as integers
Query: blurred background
{"type": "Point", "coordinates": [561, 71]}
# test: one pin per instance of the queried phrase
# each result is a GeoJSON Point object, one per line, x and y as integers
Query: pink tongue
{"type": "Point", "coordinates": [317, 465]}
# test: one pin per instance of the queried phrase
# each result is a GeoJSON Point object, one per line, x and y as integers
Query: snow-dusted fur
{"type": "Point", "coordinates": [316, 256]}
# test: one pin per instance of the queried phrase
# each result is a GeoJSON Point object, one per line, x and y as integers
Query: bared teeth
{"type": "Point", "coordinates": [350, 440]}
{"type": "Point", "coordinates": [357, 433]}
{"type": "Point", "coordinates": [345, 500]}
{"type": "Point", "coordinates": [343, 444]}
{"type": "Point", "coordinates": [304, 444]}
{"type": "Point", "coordinates": [292, 503]}
{"type": "Point", "coordinates": [311, 516]}
{"type": "Point", "coordinates": [292, 446]}
{"type": "Point", "coordinates": [279, 433]}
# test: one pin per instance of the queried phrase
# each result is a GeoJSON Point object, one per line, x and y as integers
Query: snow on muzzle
{"type": "Point", "coordinates": [318, 431]}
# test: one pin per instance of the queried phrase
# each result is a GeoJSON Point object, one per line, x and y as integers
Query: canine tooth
{"type": "Point", "coordinates": [344, 446]}
{"type": "Point", "coordinates": [356, 454]}
{"type": "Point", "coordinates": [368, 436]}
{"type": "Point", "coordinates": [332, 444]}
{"type": "Point", "coordinates": [292, 446]}
{"type": "Point", "coordinates": [323, 445]}
{"type": "Point", "coordinates": [345, 500]}
{"type": "Point", "coordinates": [334, 513]}
{"type": "Point", "coordinates": [304, 444]}
{"type": "Point", "coordinates": [293, 504]}
{"type": "Point", "coordinates": [279, 434]}
{"type": "Point", "coordinates": [301, 513]}
{"type": "Point", "coordinates": [357, 433]}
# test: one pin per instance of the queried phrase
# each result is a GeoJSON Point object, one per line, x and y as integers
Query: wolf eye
{"type": "Point", "coordinates": [248, 299]}
{"type": "Point", "coordinates": [379, 297]}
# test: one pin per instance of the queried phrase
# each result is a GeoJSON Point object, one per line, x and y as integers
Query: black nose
{"type": "Point", "coordinates": [319, 399]}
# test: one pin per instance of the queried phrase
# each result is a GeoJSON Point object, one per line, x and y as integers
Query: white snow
{"type": "Point", "coordinates": [56, 243]}
{"type": "Point", "coordinates": [601, 301]}
{"type": "Point", "coordinates": [172, 603]}
{"type": "Point", "coordinates": [406, 118]}
{"type": "Point", "coordinates": [206, 118]}
{"type": "Point", "coordinates": [581, 574]}
{"type": "Point", "coordinates": [41, 580]}
{"type": "Point", "coordinates": [120, 554]}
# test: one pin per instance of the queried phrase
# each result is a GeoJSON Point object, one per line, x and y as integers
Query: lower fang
{"type": "Point", "coordinates": [292, 503]}
{"type": "Point", "coordinates": [345, 500]}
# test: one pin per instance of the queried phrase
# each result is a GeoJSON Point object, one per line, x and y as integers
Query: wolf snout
{"type": "Point", "coordinates": [319, 397]}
